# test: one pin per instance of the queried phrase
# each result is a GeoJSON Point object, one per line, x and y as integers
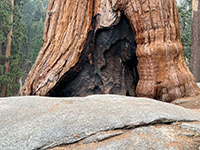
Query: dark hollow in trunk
{"type": "Point", "coordinates": [108, 65]}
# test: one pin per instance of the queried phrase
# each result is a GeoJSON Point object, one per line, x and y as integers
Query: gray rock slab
{"type": "Point", "coordinates": [144, 138]}
{"type": "Point", "coordinates": [117, 145]}
{"type": "Point", "coordinates": [198, 85]}
{"type": "Point", "coordinates": [153, 138]}
{"type": "Point", "coordinates": [164, 137]}
{"type": "Point", "coordinates": [42, 122]}
{"type": "Point", "coordinates": [193, 127]}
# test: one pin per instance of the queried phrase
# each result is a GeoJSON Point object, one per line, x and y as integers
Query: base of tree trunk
{"type": "Point", "coordinates": [86, 50]}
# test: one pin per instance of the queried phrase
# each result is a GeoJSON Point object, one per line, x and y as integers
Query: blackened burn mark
{"type": "Point", "coordinates": [113, 69]}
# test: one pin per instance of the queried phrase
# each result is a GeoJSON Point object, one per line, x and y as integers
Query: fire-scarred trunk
{"type": "Point", "coordinates": [89, 48]}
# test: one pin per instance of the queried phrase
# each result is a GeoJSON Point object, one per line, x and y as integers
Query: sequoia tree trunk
{"type": "Point", "coordinates": [195, 53]}
{"type": "Point", "coordinates": [89, 48]}
{"type": "Point", "coordinates": [8, 49]}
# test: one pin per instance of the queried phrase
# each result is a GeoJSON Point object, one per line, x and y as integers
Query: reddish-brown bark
{"type": "Point", "coordinates": [163, 73]}
{"type": "Point", "coordinates": [162, 70]}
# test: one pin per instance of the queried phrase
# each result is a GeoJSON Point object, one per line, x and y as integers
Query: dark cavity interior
{"type": "Point", "coordinates": [108, 65]}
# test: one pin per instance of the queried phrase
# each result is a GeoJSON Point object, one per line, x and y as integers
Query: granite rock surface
{"type": "Point", "coordinates": [102, 122]}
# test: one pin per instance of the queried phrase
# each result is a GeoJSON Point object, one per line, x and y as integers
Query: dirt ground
{"type": "Point", "coordinates": [189, 102]}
